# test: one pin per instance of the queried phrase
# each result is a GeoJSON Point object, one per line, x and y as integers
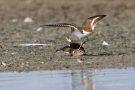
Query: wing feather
{"type": "Point", "coordinates": [72, 26]}
{"type": "Point", "coordinates": [92, 21]}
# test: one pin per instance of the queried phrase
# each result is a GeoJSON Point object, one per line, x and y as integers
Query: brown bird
{"type": "Point", "coordinates": [81, 31]}
{"type": "Point", "coordinates": [73, 49]}
{"type": "Point", "coordinates": [78, 52]}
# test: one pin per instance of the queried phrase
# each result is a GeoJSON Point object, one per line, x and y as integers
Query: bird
{"type": "Point", "coordinates": [80, 31]}
{"type": "Point", "coordinates": [78, 52]}
{"type": "Point", "coordinates": [73, 49]}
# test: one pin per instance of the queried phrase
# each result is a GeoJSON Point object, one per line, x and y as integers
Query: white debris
{"type": "Point", "coordinates": [35, 44]}
{"type": "Point", "coordinates": [39, 29]}
{"type": "Point", "coordinates": [105, 44]}
{"type": "Point", "coordinates": [14, 20]}
{"type": "Point", "coordinates": [68, 39]}
{"type": "Point", "coordinates": [13, 53]}
{"type": "Point", "coordinates": [79, 61]}
{"type": "Point", "coordinates": [4, 64]}
{"type": "Point", "coordinates": [28, 20]}
{"type": "Point", "coordinates": [42, 62]}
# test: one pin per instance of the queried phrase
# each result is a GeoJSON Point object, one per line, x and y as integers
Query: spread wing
{"type": "Point", "coordinates": [91, 22]}
{"type": "Point", "coordinates": [72, 26]}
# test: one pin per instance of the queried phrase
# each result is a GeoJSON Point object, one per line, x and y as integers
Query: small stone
{"type": "Point", "coordinates": [14, 20]}
{"type": "Point", "coordinates": [42, 62]}
{"type": "Point", "coordinates": [28, 20]}
{"type": "Point", "coordinates": [39, 29]}
{"type": "Point", "coordinates": [4, 64]}
{"type": "Point", "coordinates": [79, 61]}
{"type": "Point", "coordinates": [105, 44]}
{"type": "Point", "coordinates": [12, 53]}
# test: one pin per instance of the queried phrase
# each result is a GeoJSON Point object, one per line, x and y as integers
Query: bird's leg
{"type": "Point", "coordinates": [68, 39]}
{"type": "Point", "coordinates": [86, 39]}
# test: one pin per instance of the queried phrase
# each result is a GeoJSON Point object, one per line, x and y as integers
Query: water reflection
{"type": "Point", "coordinates": [92, 79]}
{"type": "Point", "coordinates": [114, 79]}
{"type": "Point", "coordinates": [87, 81]}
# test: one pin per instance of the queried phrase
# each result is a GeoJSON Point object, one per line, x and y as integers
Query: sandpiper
{"type": "Point", "coordinates": [81, 31]}
{"type": "Point", "coordinates": [73, 49]}
{"type": "Point", "coordinates": [78, 52]}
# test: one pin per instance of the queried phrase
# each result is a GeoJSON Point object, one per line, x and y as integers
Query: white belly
{"type": "Point", "coordinates": [80, 35]}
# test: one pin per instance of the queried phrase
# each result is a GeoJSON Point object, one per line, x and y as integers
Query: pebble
{"type": "Point", "coordinates": [105, 44]}
{"type": "Point", "coordinates": [39, 29]}
{"type": "Point", "coordinates": [42, 62]}
{"type": "Point", "coordinates": [28, 20]}
{"type": "Point", "coordinates": [14, 20]}
{"type": "Point", "coordinates": [4, 64]}
{"type": "Point", "coordinates": [79, 61]}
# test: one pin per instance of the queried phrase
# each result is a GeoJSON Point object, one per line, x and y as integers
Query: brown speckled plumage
{"type": "Point", "coordinates": [81, 31]}
{"type": "Point", "coordinates": [73, 49]}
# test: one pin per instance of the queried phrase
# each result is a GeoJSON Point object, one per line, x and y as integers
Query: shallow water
{"type": "Point", "coordinates": [92, 79]}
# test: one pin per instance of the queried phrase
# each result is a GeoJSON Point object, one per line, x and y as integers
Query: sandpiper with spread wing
{"type": "Point", "coordinates": [81, 31]}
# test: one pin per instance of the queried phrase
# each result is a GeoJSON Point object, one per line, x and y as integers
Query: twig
{"type": "Point", "coordinates": [28, 44]}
